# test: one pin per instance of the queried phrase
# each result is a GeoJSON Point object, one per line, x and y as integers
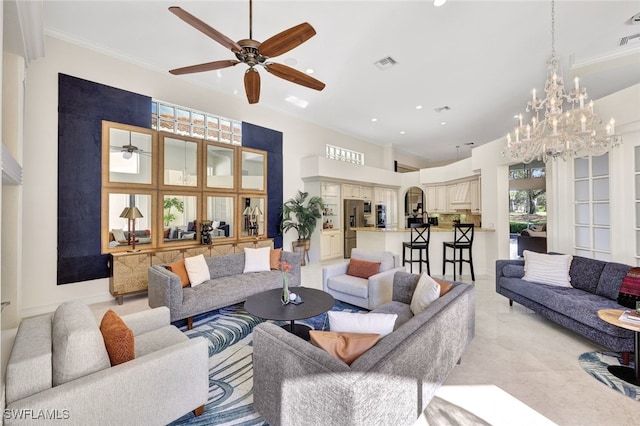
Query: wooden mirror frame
{"type": "Point", "coordinates": [162, 242]}
{"type": "Point", "coordinates": [161, 163]}
{"type": "Point", "coordinates": [107, 126]}
{"type": "Point", "coordinates": [264, 170]}
{"type": "Point", "coordinates": [234, 162]}
{"type": "Point", "coordinates": [104, 220]}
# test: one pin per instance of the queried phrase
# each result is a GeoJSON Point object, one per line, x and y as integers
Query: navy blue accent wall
{"type": "Point", "coordinates": [271, 141]}
{"type": "Point", "coordinates": [82, 105]}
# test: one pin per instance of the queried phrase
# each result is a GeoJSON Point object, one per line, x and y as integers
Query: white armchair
{"type": "Point", "coordinates": [366, 293]}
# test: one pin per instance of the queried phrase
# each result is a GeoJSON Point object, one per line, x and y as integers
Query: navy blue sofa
{"type": "Point", "coordinates": [595, 285]}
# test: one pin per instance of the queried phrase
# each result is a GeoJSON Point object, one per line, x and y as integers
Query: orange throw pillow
{"type": "Point", "coordinates": [180, 270]}
{"type": "Point", "coordinates": [118, 338]}
{"type": "Point", "coordinates": [275, 256]}
{"type": "Point", "coordinates": [445, 286]}
{"type": "Point", "coordinates": [347, 347]}
{"type": "Point", "coordinates": [362, 268]}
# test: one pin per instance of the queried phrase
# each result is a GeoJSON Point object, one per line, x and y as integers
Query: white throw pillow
{"type": "Point", "coordinates": [427, 290]}
{"type": "Point", "coordinates": [350, 322]}
{"type": "Point", "coordinates": [547, 268]}
{"type": "Point", "coordinates": [118, 235]}
{"type": "Point", "coordinates": [257, 260]}
{"type": "Point", "coordinates": [197, 269]}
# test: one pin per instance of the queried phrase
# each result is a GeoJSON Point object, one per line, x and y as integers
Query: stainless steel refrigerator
{"type": "Point", "coordinates": [353, 218]}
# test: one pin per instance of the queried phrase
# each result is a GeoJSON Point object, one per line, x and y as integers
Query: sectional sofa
{"type": "Point", "coordinates": [298, 383]}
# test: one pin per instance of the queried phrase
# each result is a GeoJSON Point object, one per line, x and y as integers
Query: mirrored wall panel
{"type": "Point", "coordinates": [179, 218]}
{"type": "Point", "coordinates": [220, 167]}
{"type": "Point", "coordinates": [220, 213]}
{"type": "Point", "coordinates": [252, 216]}
{"type": "Point", "coordinates": [128, 154]}
{"type": "Point", "coordinates": [122, 228]}
{"type": "Point", "coordinates": [253, 170]}
{"type": "Point", "coordinates": [180, 160]}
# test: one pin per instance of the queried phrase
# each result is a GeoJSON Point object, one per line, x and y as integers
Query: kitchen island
{"type": "Point", "coordinates": [391, 239]}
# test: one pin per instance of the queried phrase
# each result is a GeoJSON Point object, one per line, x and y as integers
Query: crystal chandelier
{"type": "Point", "coordinates": [564, 131]}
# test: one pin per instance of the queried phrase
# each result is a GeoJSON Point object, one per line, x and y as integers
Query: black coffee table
{"type": "Point", "coordinates": [267, 305]}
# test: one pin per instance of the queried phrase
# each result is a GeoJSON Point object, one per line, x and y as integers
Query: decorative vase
{"type": "Point", "coordinates": [285, 290]}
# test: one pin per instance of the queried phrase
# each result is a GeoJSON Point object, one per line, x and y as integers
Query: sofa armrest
{"type": "Point", "coordinates": [500, 264]}
{"type": "Point", "coordinates": [381, 287]}
{"type": "Point", "coordinates": [333, 270]}
{"type": "Point", "coordinates": [165, 288]}
{"type": "Point", "coordinates": [154, 389]}
{"type": "Point", "coordinates": [145, 321]}
{"type": "Point", "coordinates": [404, 284]}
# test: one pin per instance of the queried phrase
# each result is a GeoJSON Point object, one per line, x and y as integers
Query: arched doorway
{"type": "Point", "coordinates": [413, 206]}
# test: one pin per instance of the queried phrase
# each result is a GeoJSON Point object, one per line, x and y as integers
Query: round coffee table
{"type": "Point", "coordinates": [267, 305]}
{"type": "Point", "coordinates": [628, 374]}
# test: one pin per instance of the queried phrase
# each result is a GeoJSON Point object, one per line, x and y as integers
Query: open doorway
{"type": "Point", "coordinates": [527, 208]}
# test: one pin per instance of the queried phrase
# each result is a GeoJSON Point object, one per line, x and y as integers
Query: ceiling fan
{"type": "Point", "coordinates": [128, 150]}
{"type": "Point", "coordinates": [252, 53]}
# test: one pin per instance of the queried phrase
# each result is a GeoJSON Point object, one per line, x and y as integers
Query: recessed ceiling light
{"type": "Point", "coordinates": [309, 71]}
{"type": "Point", "coordinates": [516, 116]}
{"type": "Point", "coordinates": [438, 3]}
{"type": "Point", "coordinates": [419, 107]}
{"type": "Point", "coordinates": [402, 132]}
{"type": "Point", "coordinates": [235, 91]}
{"type": "Point", "coordinates": [300, 103]}
{"type": "Point", "coordinates": [374, 119]}
{"type": "Point", "coordinates": [443, 123]}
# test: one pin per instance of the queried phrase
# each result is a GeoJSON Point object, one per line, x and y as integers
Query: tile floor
{"type": "Point", "coordinates": [518, 352]}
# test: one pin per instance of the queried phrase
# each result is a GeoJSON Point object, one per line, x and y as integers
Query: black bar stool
{"type": "Point", "coordinates": [463, 236]}
{"type": "Point", "coordinates": [420, 236]}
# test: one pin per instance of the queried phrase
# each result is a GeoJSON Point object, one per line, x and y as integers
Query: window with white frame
{"type": "Point", "coordinates": [198, 124]}
{"type": "Point", "coordinates": [343, 154]}
{"type": "Point", "coordinates": [591, 214]}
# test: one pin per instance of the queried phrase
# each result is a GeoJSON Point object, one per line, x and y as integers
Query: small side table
{"type": "Point", "coordinates": [628, 374]}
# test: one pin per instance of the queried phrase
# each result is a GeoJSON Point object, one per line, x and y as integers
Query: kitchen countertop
{"type": "Point", "coordinates": [433, 229]}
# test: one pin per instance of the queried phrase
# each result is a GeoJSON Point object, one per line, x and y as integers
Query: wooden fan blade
{"type": "Point", "coordinates": [205, 28]}
{"type": "Point", "coordinates": [287, 40]}
{"type": "Point", "coordinates": [252, 85]}
{"type": "Point", "coordinates": [208, 66]}
{"type": "Point", "coordinates": [294, 76]}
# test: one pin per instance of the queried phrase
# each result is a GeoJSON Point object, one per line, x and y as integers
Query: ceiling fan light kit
{"type": "Point", "coordinates": [253, 53]}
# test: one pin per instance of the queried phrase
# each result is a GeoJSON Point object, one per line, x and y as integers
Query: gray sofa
{"type": "Point", "coordinates": [595, 285]}
{"type": "Point", "coordinates": [297, 383]}
{"type": "Point", "coordinates": [59, 371]}
{"type": "Point", "coordinates": [366, 293]}
{"type": "Point", "coordinates": [228, 285]}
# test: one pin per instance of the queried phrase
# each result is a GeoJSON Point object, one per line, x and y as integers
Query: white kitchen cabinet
{"type": "Point", "coordinates": [331, 244]}
{"type": "Point", "coordinates": [437, 199]}
{"type": "Point", "coordinates": [330, 193]}
{"type": "Point", "coordinates": [351, 192]}
{"type": "Point", "coordinates": [366, 192]}
{"type": "Point", "coordinates": [476, 199]}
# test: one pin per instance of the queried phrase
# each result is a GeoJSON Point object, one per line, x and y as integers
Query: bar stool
{"type": "Point", "coordinates": [420, 236]}
{"type": "Point", "coordinates": [463, 240]}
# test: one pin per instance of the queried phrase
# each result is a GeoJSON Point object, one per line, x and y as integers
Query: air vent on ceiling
{"type": "Point", "coordinates": [385, 63]}
{"type": "Point", "coordinates": [634, 38]}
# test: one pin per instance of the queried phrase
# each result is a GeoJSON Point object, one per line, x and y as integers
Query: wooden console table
{"type": "Point", "coordinates": [129, 271]}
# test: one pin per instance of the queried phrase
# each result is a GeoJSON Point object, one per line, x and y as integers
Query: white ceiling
{"type": "Point", "coordinates": [479, 58]}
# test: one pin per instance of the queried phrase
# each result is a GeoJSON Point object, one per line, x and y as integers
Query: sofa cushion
{"type": "Point", "coordinates": [77, 345]}
{"type": "Point", "coordinates": [426, 292]}
{"type": "Point", "coordinates": [386, 259]}
{"type": "Point", "coordinates": [257, 260]}
{"type": "Point", "coordinates": [118, 338]}
{"type": "Point", "coordinates": [180, 270]}
{"type": "Point", "coordinates": [353, 286]}
{"type": "Point", "coordinates": [197, 269]}
{"type": "Point", "coordinates": [347, 347]}
{"type": "Point", "coordinates": [350, 322]}
{"type": "Point", "coordinates": [274, 258]}
{"type": "Point", "coordinates": [223, 266]}
{"type": "Point", "coordinates": [585, 273]}
{"type": "Point", "coordinates": [547, 268]}
{"type": "Point", "coordinates": [629, 293]}
{"type": "Point", "coordinates": [402, 310]}
{"type": "Point", "coordinates": [362, 268]}
{"type": "Point", "coordinates": [611, 279]}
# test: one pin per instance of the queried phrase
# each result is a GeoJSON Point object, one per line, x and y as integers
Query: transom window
{"type": "Point", "coordinates": [343, 154]}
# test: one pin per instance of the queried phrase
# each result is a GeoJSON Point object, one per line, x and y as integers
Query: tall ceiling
{"type": "Point", "coordinates": [481, 59]}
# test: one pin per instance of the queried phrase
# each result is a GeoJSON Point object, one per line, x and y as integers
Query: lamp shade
{"type": "Point", "coordinates": [131, 213]}
{"type": "Point", "coordinates": [247, 211]}
{"type": "Point", "coordinates": [257, 211]}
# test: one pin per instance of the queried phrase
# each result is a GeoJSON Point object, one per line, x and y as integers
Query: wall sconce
{"type": "Point", "coordinates": [131, 214]}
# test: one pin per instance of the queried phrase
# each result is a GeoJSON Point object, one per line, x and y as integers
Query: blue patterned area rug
{"type": "Point", "coordinates": [596, 363]}
{"type": "Point", "coordinates": [228, 331]}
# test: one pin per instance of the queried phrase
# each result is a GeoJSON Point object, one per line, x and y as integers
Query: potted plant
{"type": "Point", "coordinates": [170, 203]}
{"type": "Point", "coordinates": [301, 213]}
